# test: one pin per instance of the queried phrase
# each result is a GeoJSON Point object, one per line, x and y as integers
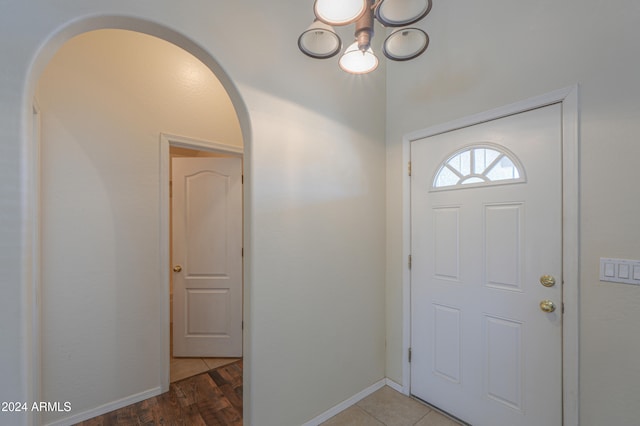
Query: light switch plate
{"type": "Point", "coordinates": [620, 270]}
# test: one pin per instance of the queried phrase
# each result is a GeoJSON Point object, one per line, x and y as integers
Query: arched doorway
{"type": "Point", "coordinates": [105, 266]}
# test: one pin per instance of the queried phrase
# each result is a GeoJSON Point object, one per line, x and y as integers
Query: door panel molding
{"type": "Point", "coordinates": [568, 98]}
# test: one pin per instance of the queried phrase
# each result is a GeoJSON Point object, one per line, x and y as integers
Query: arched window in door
{"type": "Point", "coordinates": [478, 165]}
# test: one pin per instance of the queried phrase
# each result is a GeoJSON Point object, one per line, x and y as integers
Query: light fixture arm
{"type": "Point", "coordinates": [364, 28]}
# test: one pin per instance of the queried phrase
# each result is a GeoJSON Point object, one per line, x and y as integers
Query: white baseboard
{"type": "Point", "coordinates": [89, 414]}
{"type": "Point", "coordinates": [395, 386]}
{"type": "Point", "coordinates": [345, 404]}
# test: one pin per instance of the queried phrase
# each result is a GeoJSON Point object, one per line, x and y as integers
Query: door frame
{"type": "Point", "coordinates": [166, 142]}
{"type": "Point", "coordinates": [568, 98]}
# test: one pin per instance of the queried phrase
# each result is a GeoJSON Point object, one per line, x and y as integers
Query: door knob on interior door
{"type": "Point", "coordinates": [177, 268]}
{"type": "Point", "coordinates": [547, 306]}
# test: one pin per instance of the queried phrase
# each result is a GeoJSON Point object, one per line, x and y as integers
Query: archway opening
{"type": "Point", "coordinates": [102, 333]}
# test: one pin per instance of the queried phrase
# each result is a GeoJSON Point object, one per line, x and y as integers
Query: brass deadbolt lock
{"type": "Point", "coordinates": [547, 281]}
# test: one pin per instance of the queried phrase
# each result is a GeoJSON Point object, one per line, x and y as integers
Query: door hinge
{"type": "Point", "coordinates": [242, 251]}
{"type": "Point", "coordinates": [409, 354]}
{"type": "Point", "coordinates": [243, 325]}
{"type": "Point", "coordinates": [242, 179]}
{"type": "Point", "coordinates": [409, 168]}
{"type": "Point", "coordinates": [409, 262]}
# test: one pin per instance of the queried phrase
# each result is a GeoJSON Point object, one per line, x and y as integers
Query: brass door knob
{"type": "Point", "coordinates": [547, 281]}
{"type": "Point", "coordinates": [547, 306]}
{"type": "Point", "coordinates": [177, 268]}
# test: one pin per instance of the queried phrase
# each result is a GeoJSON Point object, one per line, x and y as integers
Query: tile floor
{"type": "Point", "coordinates": [387, 407]}
{"type": "Point", "coordinates": [181, 368]}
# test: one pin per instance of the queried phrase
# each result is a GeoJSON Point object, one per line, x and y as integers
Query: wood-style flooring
{"type": "Point", "coordinates": [213, 398]}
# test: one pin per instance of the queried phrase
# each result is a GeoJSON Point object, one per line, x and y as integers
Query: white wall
{"type": "Point", "coordinates": [315, 196]}
{"type": "Point", "coordinates": [488, 54]}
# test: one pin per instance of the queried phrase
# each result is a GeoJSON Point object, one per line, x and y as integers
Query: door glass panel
{"type": "Point", "coordinates": [473, 179]}
{"type": "Point", "coordinates": [484, 157]}
{"type": "Point", "coordinates": [503, 170]}
{"type": "Point", "coordinates": [446, 177]}
{"type": "Point", "coordinates": [461, 163]}
{"type": "Point", "coordinates": [477, 165]}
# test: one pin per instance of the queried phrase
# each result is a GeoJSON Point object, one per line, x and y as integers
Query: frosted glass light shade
{"type": "Point", "coordinates": [355, 61]}
{"type": "Point", "coordinates": [339, 12]}
{"type": "Point", "coordinates": [399, 13]}
{"type": "Point", "coordinates": [319, 41]}
{"type": "Point", "coordinates": [405, 44]}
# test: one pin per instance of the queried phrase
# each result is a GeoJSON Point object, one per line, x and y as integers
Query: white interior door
{"type": "Point", "coordinates": [207, 257]}
{"type": "Point", "coordinates": [486, 226]}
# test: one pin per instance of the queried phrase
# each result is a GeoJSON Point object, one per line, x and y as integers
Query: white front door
{"type": "Point", "coordinates": [207, 257]}
{"type": "Point", "coordinates": [486, 234]}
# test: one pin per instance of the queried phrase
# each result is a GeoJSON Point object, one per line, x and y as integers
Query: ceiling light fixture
{"type": "Point", "coordinates": [320, 41]}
